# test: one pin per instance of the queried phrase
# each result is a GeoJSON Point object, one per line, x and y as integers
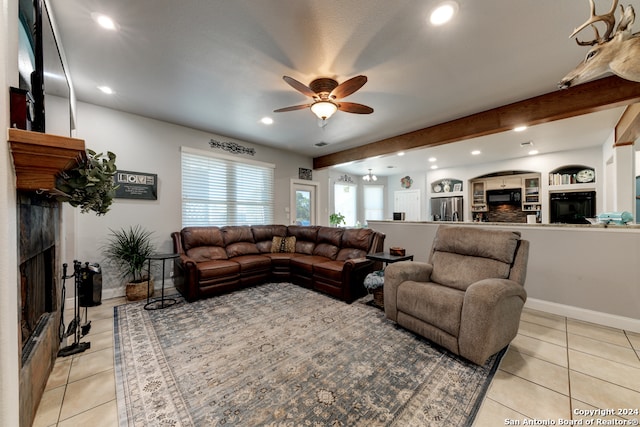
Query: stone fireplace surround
{"type": "Point", "coordinates": [39, 274]}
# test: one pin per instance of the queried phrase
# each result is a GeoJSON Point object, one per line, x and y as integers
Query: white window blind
{"type": "Point", "coordinates": [220, 190]}
{"type": "Point", "coordinates": [373, 202]}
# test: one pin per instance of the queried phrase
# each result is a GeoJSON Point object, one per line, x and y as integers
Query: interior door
{"type": "Point", "coordinates": [303, 204]}
{"type": "Point", "coordinates": [407, 201]}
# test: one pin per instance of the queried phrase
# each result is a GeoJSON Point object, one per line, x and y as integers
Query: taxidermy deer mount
{"type": "Point", "coordinates": [618, 52]}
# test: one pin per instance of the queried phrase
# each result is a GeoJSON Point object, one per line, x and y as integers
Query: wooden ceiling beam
{"type": "Point", "coordinates": [628, 127]}
{"type": "Point", "coordinates": [586, 98]}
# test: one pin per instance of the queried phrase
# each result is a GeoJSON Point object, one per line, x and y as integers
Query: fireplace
{"type": "Point", "coordinates": [37, 295]}
{"type": "Point", "coordinates": [40, 289]}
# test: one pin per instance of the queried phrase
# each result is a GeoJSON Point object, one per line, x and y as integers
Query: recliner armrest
{"type": "Point", "coordinates": [490, 317]}
{"type": "Point", "coordinates": [397, 273]}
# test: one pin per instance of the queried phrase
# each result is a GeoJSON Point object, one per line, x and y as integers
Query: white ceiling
{"type": "Point", "coordinates": [218, 66]}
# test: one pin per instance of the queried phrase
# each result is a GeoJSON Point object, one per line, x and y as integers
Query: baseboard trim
{"type": "Point", "coordinates": [605, 319]}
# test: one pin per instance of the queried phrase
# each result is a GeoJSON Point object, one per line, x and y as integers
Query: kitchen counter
{"type": "Point", "coordinates": [511, 224]}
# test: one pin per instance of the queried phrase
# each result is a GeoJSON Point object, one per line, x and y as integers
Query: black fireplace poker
{"type": "Point", "coordinates": [74, 326]}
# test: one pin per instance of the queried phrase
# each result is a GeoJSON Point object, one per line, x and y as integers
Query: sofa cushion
{"type": "Point", "coordinates": [237, 233]}
{"type": "Point", "coordinates": [305, 263]}
{"type": "Point", "coordinates": [252, 263]}
{"type": "Point", "coordinates": [434, 304]}
{"type": "Point", "coordinates": [355, 243]}
{"type": "Point", "coordinates": [328, 242]}
{"type": "Point", "coordinates": [283, 244]}
{"type": "Point", "coordinates": [241, 248]}
{"type": "Point", "coordinates": [193, 237]}
{"type": "Point", "coordinates": [238, 240]}
{"type": "Point", "coordinates": [209, 270]}
{"type": "Point", "coordinates": [330, 269]}
{"type": "Point", "coordinates": [207, 253]}
{"type": "Point", "coordinates": [305, 238]}
{"type": "Point", "coordinates": [263, 235]}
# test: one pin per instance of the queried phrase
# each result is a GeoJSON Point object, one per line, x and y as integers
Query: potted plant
{"type": "Point", "coordinates": [335, 219]}
{"type": "Point", "coordinates": [128, 249]}
{"type": "Point", "coordinates": [90, 184]}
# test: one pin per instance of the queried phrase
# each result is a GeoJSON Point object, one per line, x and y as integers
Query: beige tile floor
{"type": "Point", "coordinates": [556, 368]}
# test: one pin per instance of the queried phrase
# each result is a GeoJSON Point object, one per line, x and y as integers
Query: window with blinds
{"type": "Point", "coordinates": [373, 202]}
{"type": "Point", "coordinates": [221, 190]}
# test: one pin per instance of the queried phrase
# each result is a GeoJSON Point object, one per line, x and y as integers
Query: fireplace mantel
{"type": "Point", "coordinates": [39, 157]}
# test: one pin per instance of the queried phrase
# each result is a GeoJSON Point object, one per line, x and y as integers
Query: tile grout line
{"type": "Point", "coordinates": [566, 324]}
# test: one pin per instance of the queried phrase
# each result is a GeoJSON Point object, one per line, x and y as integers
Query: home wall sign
{"type": "Point", "coordinates": [136, 185]}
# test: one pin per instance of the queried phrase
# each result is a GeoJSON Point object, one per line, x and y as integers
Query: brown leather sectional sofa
{"type": "Point", "coordinates": [215, 260]}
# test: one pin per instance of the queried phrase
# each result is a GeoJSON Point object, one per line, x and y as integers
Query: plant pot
{"type": "Point", "coordinates": [137, 291]}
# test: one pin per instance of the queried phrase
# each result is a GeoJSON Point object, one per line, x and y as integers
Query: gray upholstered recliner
{"type": "Point", "coordinates": [468, 297]}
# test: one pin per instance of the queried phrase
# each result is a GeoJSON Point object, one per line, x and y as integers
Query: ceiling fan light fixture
{"type": "Point", "coordinates": [324, 109]}
{"type": "Point", "coordinates": [370, 177]}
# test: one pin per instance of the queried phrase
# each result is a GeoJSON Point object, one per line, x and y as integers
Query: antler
{"type": "Point", "coordinates": [608, 18]}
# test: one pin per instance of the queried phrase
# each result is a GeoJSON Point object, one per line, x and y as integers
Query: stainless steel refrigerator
{"type": "Point", "coordinates": [447, 208]}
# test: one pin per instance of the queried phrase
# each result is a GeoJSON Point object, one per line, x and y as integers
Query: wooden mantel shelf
{"type": "Point", "coordinates": [39, 157]}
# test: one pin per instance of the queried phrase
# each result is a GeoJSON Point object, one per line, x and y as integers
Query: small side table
{"type": "Point", "coordinates": [152, 304]}
{"type": "Point", "coordinates": [386, 258]}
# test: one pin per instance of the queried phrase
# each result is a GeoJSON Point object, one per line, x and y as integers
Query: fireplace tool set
{"type": "Point", "coordinates": [83, 276]}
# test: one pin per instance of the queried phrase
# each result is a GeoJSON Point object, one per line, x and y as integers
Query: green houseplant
{"type": "Point", "coordinates": [128, 249]}
{"type": "Point", "coordinates": [335, 219]}
{"type": "Point", "coordinates": [90, 184]}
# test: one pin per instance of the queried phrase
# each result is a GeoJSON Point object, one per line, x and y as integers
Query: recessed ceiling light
{"type": "Point", "coordinates": [106, 89]}
{"type": "Point", "coordinates": [519, 128]}
{"type": "Point", "coordinates": [476, 152]}
{"type": "Point", "coordinates": [434, 166]}
{"type": "Point", "coordinates": [104, 21]}
{"type": "Point", "coordinates": [267, 120]}
{"type": "Point", "coordinates": [533, 152]}
{"type": "Point", "coordinates": [443, 13]}
{"type": "Point", "coordinates": [401, 153]}
{"type": "Point", "coordinates": [432, 159]}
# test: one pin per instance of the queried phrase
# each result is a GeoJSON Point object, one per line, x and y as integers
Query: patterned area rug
{"type": "Point", "coordinates": [282, 355]}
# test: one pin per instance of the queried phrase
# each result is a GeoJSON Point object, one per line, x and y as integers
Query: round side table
{"type": "Point", "coordinates": [162, 302]}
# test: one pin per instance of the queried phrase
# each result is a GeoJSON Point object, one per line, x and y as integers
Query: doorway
{"type": "Point", "coordinates": [304, 203]}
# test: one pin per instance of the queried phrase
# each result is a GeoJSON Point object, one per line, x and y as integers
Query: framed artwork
{"type": "Point", "coordinates": [457, 187]}
{"type": "Point", "coordinates": [305, 174]}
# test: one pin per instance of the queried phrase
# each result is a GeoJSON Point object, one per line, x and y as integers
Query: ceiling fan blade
{"type": "Point", "coordinates": [346, 88]}
{"type": "Point", "coordinates": [292, 108]}
{"type": "Point", "coordinates": [352, 107]}
{"type": "Point", "coordinates": [300, 87]}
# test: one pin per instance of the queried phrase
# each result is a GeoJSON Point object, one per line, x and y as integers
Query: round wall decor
{"type": "Point", "coordinates": [406, 182]}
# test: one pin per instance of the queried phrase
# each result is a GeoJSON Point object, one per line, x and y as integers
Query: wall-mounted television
{"type": "Point", "coordinates": [42, 69]}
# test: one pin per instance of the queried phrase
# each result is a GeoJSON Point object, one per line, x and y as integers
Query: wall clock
{"type": "Point", "coordinates": [585, 175]}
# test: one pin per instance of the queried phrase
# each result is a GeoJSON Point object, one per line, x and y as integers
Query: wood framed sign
{"type": "Point", "coordinates": [136, 185]}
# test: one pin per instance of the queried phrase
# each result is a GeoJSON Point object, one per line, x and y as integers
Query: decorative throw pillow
{"type": "Point", "coordinates": [283, 244]}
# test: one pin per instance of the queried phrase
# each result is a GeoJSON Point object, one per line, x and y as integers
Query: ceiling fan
{"type": "Point", "coordinates": [325, 93]}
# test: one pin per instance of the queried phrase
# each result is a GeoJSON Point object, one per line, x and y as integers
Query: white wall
{"type": "Point", "coordinates": [145, 145]}
{"type": "Point", "coordinates": [9, 351]}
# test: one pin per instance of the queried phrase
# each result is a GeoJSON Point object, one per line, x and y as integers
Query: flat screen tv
{"type": "Point", "coordinates": [42, 70]}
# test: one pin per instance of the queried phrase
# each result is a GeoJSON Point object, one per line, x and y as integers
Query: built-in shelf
{"type": "Point", "coordinates": [39, 157]}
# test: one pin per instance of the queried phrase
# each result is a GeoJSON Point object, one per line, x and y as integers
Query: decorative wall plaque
{"type": "Point", "coordinates": [232, 147]}
{"type": "Point", "coordinates": [136, 185]}
{"type": "Point", "coordinates": [305, 174]}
